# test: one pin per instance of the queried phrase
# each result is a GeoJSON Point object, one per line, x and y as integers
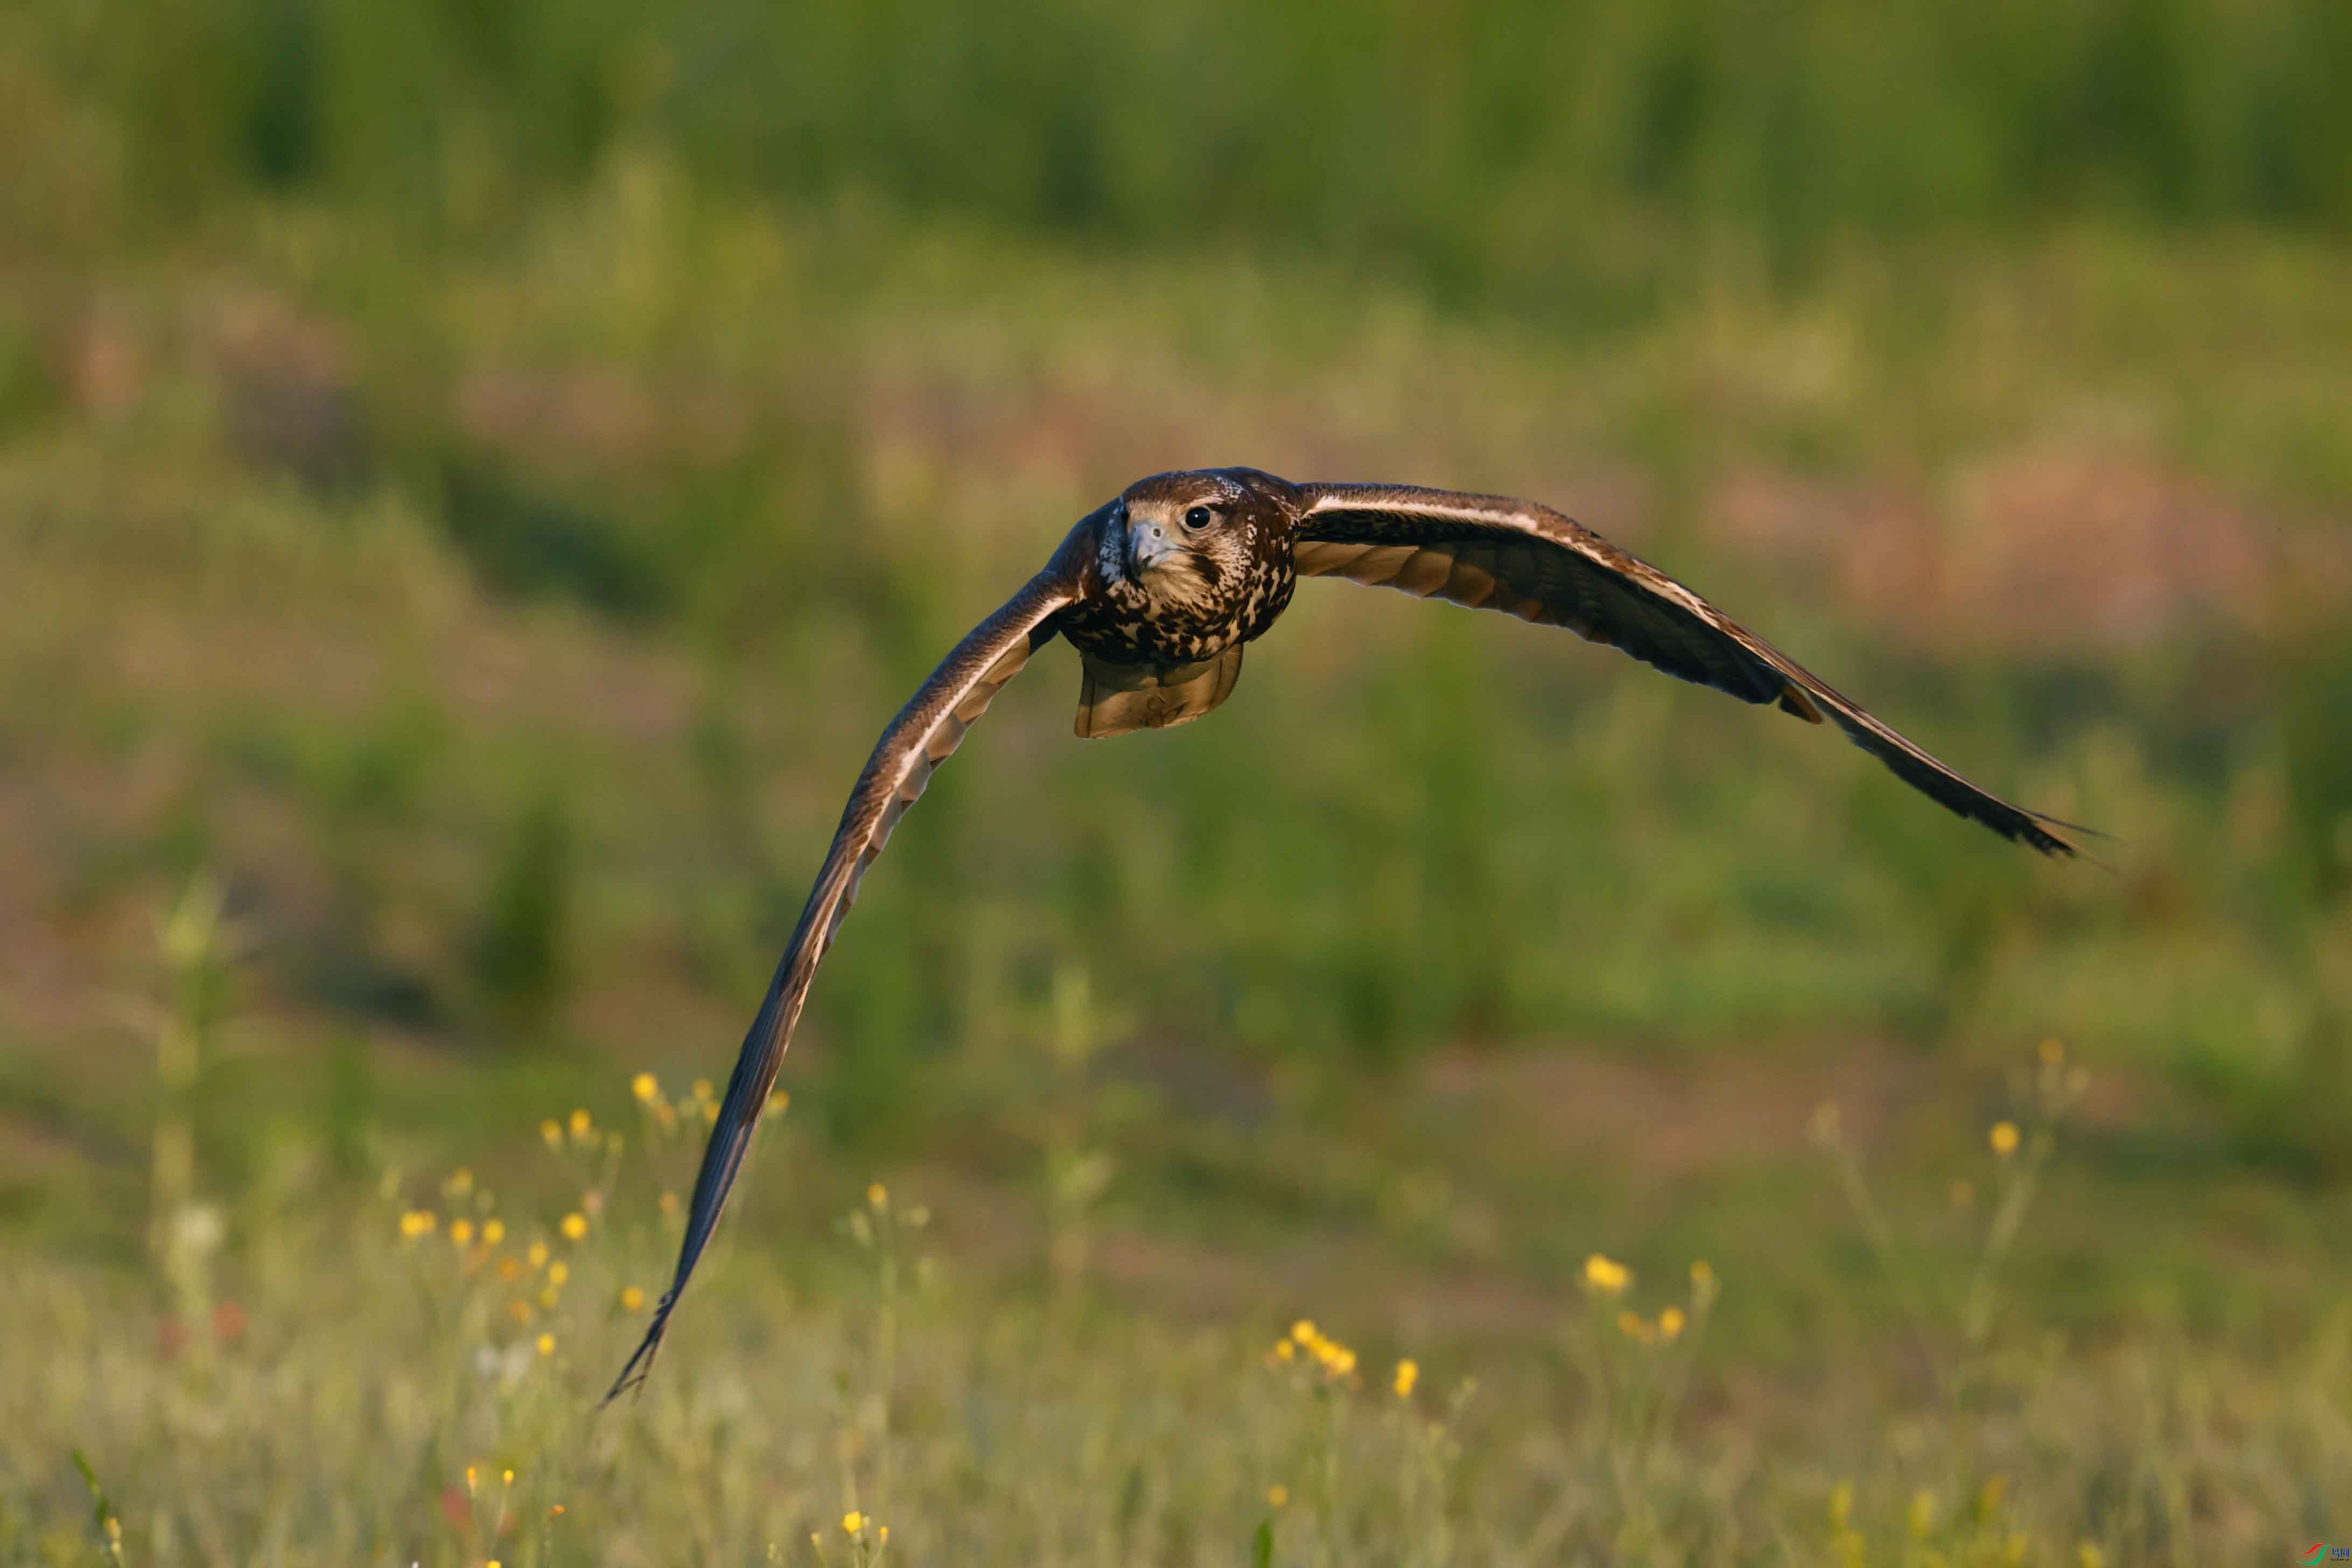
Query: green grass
{"type": "Point", "coordinates": [1559, 156]}
{"type": "Point", "coordinates": [816, 471]}
{"type": "Point", "coordinates": [1003, 1370]}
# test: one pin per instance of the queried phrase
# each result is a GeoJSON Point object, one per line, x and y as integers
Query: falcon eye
{"type": "Point", "coordinates": [1198, 517]}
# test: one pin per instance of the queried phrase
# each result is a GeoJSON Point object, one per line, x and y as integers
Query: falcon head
{"type": "Point", "coordinates": [1198, 539]}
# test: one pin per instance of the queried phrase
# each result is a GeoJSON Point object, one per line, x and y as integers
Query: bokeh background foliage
{"type": "Point", "coordinates": [474, 476]}
{"type": "Point", "coordinates": [1482, 146]}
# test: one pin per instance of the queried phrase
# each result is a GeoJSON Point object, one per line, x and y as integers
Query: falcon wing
{"type": "Point", "coordinates": [1492, 553]}
{"type": "Point", "coordinates": [926, 730]}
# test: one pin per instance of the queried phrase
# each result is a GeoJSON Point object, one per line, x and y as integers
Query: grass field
{"type": "Point", "coordinates": [445, 609]}
{"type": "Point", "coordinates": [1374, 1343]}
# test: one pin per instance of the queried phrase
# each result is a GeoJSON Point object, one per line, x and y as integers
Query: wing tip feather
{"type": "Point", "coordinates": [2049, 835]}
{"type": "Point", "coordinates": [641, 1360]}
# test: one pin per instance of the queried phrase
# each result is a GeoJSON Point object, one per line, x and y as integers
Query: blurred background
{"type": "Point", "coordinates": [476, 476]}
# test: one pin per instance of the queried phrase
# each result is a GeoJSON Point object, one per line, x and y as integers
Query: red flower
{"type": "Point", "coordinates": [228, 1322]}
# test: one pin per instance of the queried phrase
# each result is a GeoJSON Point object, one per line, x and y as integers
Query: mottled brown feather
{"type": "Point", "coordinates": [1497, 553]}
{"type": "Point", "coordinates": [921, 737]}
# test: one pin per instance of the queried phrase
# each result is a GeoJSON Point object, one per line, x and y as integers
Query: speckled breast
{"type": "Point", "coordinates": [1125, 624]}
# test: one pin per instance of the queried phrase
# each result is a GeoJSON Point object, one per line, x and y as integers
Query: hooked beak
{"type": "Point", "coordinates": [1147, 548]}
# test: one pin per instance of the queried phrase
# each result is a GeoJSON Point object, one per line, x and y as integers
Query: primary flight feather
{"type": "Point", "coordinates": [1159, 591]}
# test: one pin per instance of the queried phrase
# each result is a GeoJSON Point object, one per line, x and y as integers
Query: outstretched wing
{"type": "Point", "coordinates": [929, 727]}
{"type": "Point", "coordinates": [1492, 553]}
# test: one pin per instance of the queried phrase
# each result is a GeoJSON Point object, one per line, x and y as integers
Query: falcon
{"type": "Point", "coordinates": [1161, 591]}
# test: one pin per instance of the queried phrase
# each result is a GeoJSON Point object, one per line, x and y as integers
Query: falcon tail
{"type": "Point", "coordinates": [1116, 697]}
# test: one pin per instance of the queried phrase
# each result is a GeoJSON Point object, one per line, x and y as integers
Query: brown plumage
{"type": "Point", "coordinates": [1159, 591]}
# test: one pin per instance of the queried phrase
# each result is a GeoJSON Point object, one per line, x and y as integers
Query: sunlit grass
{"type": "Point", "coordinates": [422, 1384]}
{"type": "Point", "coordinates": [416, 1378]}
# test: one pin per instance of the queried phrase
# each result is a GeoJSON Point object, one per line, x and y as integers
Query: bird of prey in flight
{"type": "Point", "coordinates": [1162, 588]}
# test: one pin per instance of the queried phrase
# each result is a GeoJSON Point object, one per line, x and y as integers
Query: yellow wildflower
{"type": "Point", "coordinates": [416, 1222]}
{"type": "Point", "coordinates": [558, 1272]}
{"type": "Point", "coordinates": [884, 1532]}
{"type": "Point", "coordinates": [581, 1123]}
{"type": "Point", "coordinates": [552, 1133]}
{"type": "Point", "coordinates": [1408, 1372]}
{"type": "Point", "coordinates": [538, 1254]}
{"type": "Point", "coordinates": [547, 1344]}
{"type": "Point", "coordinates": [1283, 1350]}
{"type": "Point", "coordinates": [702, 1088]}
{"type": "Point", "coordinates": [2053, 1051]}
{"type": "Point", "coordinates": [461, 1232]}
{"type": "Point", "coordinates": [460, 1183]}
{"type": "Point", "coordinates": [520, 1310]}
{"type": "Point", "coordinates": [878, 1195]}
{"type": "Point", "coordinates": [1303, 1330]}
{"type": "Point", "coordinates": [853, 1522]}
{"type": "Point", "coordinates": [2004, 1138]}
{"type": "Point", "coordinates": [1605, 1275]}
{"type": "Point", "coordinates": [574, 1227]}
{"type": "Point", "coordinates": [493, 1232]}
{"type": "Point", "coordinates": [1343, 1361]}
{"type": "Point", "coordinates": [710, 1110]}
{"type": "Point", "coordinates": [643, 1087]}
{"type": "Point", "coordinates": [632, 1298]}
{"type": "Point", "coordinates": [1277, 1495]}
{"type": "Point", "coordinates": [470, 1481]}
{"type": "Point", "coordinates": [1634, 1327]}
{"type": "Point", "coordinates": [1670, 1323]}
{"type": "Point", "coordinates": [777, 1102]}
